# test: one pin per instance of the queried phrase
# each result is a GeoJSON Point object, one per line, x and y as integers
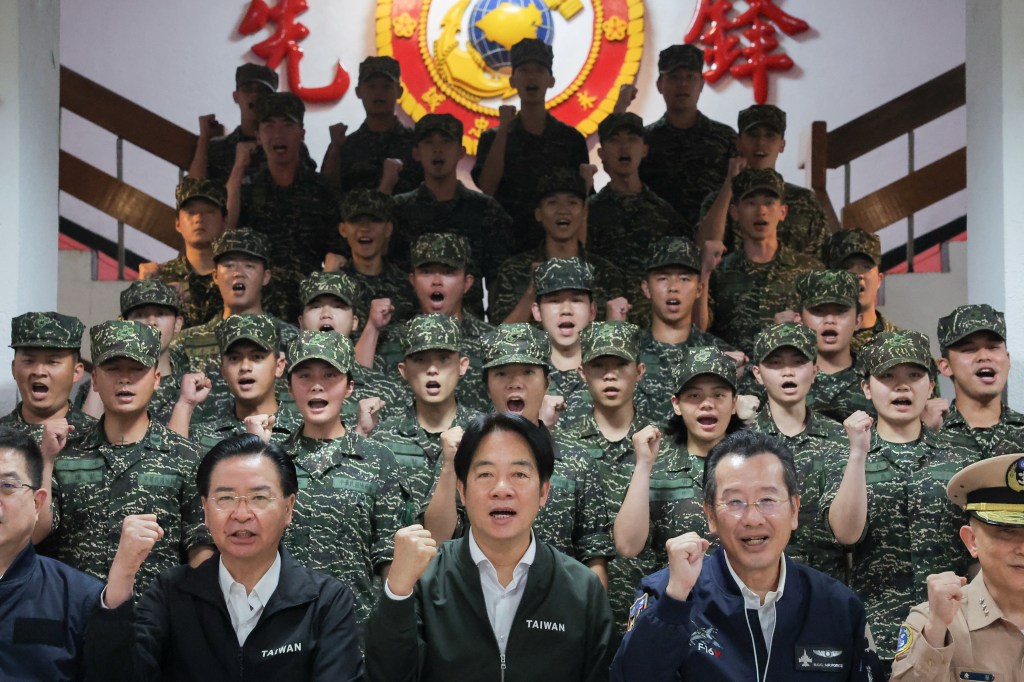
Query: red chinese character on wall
{"type": "Point", "coordinates": [716, 25]}
{"type": "Point", "coordinates": [283, 43]}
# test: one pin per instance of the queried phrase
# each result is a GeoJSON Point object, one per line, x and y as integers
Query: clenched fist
{"type": "Point", "coordinates": [414, 549]}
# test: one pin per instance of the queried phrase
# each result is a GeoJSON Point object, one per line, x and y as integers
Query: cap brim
{"type": "Point", "coordinates": [340, 297]}
{"type": "Point", "coordinates": [625, 126]}
{"type": "Point", "coordinates": [247, 252]}
{"type": "Point", "coordinates": [248, 337]}
{"type": "Point", "coordinates": [892, 362]}
{"type": "Point", "coordinates": [419, 348]}
{"type": "Point", "coordinates": [729, 379]}
{"type": "Point", "coordinates": [1000, 518]}
{"type": "Point", "coordinates": [515, 359]}
{"type": "Point", "coordinates": [973, 330]}
{"type": "Point", "coordinates": [798, 349]}
{"type": "Point", "coordinates": [826, 300]}
{"type": "Point", "coordinates": [141, 358]}
{"type": "Point", "coordinates": [267, 84]}
{"type": "Point", "coordinates": [670, 263]}
{"type": "Point", "coordinates": [857, 253]}
{"type": "Point", "coordinates": [439, 261]}
{"type": "Point", "coordinates": [614, 352]}
{"type": "Point", "coordinates": [763, 124]}
{"type": "Point", "coordinates": [303, 358]}
{"type": "Point", "coordinates": [216, 202]}
{"type": "Point", "coordinates": [760, 188]}
{"type": "Point", "coordinates": [574, 286]}
{"type": "Point", "coordinates": [45, 343]}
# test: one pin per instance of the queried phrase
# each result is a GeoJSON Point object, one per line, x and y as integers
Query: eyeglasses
{"type": "Point", "coordinates": [231, 502]}
{"type": "Point", "coordinates": [767, 506]}
{"type": "Point", "coordinates": [9, 487]}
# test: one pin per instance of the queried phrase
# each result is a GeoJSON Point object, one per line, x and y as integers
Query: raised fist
{"type": "Point", "coordinates": [414, 549]}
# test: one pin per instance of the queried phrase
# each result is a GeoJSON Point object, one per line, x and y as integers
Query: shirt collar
{"type": "Point", "coordinates": [263, 589]}
{"type": "Point", "coordinates": [750, 598]}
{"type": "Point", "coordinates": [478, 556]}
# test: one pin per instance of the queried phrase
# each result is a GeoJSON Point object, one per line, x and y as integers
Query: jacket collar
{"type": "Point", "coordinates": [21, 567]}
{"type": "Point", "coordinates": [980, 609]}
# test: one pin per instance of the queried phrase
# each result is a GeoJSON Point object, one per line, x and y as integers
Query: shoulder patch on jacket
{"type": "Point", "coordinates": [905, 640]}
{"type": "Point", "coordinates": [638, 607]}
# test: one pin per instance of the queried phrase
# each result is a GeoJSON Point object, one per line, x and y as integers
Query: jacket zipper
{"type": "Point", "coordinates": [502, 667]}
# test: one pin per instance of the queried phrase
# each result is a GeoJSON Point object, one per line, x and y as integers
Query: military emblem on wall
{"type": "Point", "coordinates": [455, 55]}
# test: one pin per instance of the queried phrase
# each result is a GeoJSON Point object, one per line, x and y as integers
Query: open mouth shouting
{"type": "Point", "coordinates": [39, 390]}
{"type": "Point", "coordinates": [502, 515]}
{"type": "Point", "coordinates": [436, 300]}
{"type": "Point", "coordinates": [566, 328]}
{"type": "Point", "coordinates": [433, 387]}
{"type": "Point", "coordinates": [829, 336]}
{"type": "Point", "coordinates": [317, 405]}
{"type": "Point", "coordinates": [754, 542]}
{"type": "Point", "coordinates": [707, 422]}
{"type": "Point", "coordinates": [246, 384]}
{"type": "Point", "coordinates": [902, 403]}
{"type": "Point", "coordinates": [987, 375]}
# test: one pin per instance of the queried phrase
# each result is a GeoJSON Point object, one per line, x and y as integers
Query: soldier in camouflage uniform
{"type": "Point", "coordinates": [973, 343]}
{"type": "Point", "coordinates": [896, 520]}
{"type": "Point", "coordinates": [689, 153]}
{"type": "Point", "coordinates": [126, 464]}
{"type": "Point", "coordinates": [625, 217]}
{"type": "Point", "coordinates": [288, 203]}
{"type": "Point", "coordinates": [758, 281]}
{"type": "Point", "coordinates": [440, 280]}
{"type": "Point", "coordinates": [610, 352]}
{"type": "Point", "coordinates": [328, 300]}
{"type": "Point", "coordinates": [785, 357]}
{"type": "Point", "coordinates": [202, 206]}
{"type": "Point", "coordinates": [356, 161]}
{"type": "Point", "coordinates": [860, 253]}
{"type": "Point", "coordinates": [251, 365]}
{"type": "Point", "coordinates": [351, 498]}
{"type": "Point", "coordinates": [47, 363]}
{"type": "Point", "coordinates": [443, 202]}
{"type": "Point", "coordinates": [367, 229]}
{"type": "Point", "coordinates": [671, 285]}
{"type": "Point", "coordinates": [564, 307]}
{"type": "Point", "coordinates": [761, 139]}
{"type": "Point", "coordinates": [562, 211]}
{"type": "Point", "coordinates": [575, 520]}
{"type": "Point", "coordinates": [508, 157]}
{"type": "Point", "coordinates": [432, 369]}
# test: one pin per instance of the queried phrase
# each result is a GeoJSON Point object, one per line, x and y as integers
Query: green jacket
{"type": "Point", "coordinates": [562, 629]}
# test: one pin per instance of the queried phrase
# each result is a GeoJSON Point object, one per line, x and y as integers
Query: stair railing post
{"type": "Point", "coordinates": [910, 218]}
{"type": "Point", "coordinates": [120, 224]}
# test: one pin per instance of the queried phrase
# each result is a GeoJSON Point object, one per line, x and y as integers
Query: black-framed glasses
{"type": "Point", "coordinates": [225, 502]}
{"type": "Point", "coordinates": [8, 487]}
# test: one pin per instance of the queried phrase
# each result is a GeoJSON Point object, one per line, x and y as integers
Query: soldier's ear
{"type": "Point", "coordinates": [179, 322]}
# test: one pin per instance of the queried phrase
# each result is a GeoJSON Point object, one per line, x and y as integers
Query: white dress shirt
{"type": "Point", "coordinates": [245, 609]}
{"type": "Point", "coordinates": [765, 611]}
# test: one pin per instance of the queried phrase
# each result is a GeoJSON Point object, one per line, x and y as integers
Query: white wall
{"type": "Point", "coordinates": [178, 59]}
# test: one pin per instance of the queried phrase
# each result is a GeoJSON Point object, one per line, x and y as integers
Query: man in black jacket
{"type": "Point", "coordinates": [495, 604]}
{"type": "Point", "coordinates": [252, 612]}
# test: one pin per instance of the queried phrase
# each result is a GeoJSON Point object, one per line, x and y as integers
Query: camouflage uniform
{"type": "Point", "coordinates": [476, 216]}
{"type": "Point", "coordinates": [912, 528]}
{"type": "Point", "coordinates": [352, 497]}
{"type": "Point", "coordinates": [46, 330]}
{"type": "Point", "coordinates": [622, 339]}
{"type": "Point", "coordinates": [560, 146]}
{"type": "Point", "coordinates": [575, 520]}
{"type": "Point", "coordinates": [200, 297]}
{"type": "Point", "coordinates": [747, 295]}
{"type": "Point", "coordinates": [684, 165]}
{"type": "Point", "coordinates": [451, 250]}
{"type": "Point", "coordinates": [1006, 436]}
{"type": "Point", "coordinates": [96, 484]}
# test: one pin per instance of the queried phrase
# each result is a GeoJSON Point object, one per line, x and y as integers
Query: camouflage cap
{"type": "Point", "coordinates": [786, 334]}
{"type": "Point", "coordinates": [673, 251]}
{"type": "Point", "coordinates": [894, 348]}
{"type": "Point", "coordinates": [446, 248]}
{"type": "Point", "coordinates": [844, 243]}
{"type": "Point", "coordinates": [991, 490]}
{"type": "Point", "coordinates": [431, 332]}
{"type": "Point", "coordinates": [561, 179]}
{"type": "Point", "coordinates": [819, 287]}
{"type": "Point", "coordinates": [46, 330]}
{"type": "Point", "coordinates": [379, 66]}
{"type": "Point", "coordinates": [446, 124]}
{"type": "Point", "coordinates": [125, 339]}
{"type": "Point", "coordinates": [197, 188]}
{"type": "Point", "coordinates": [559, 274]}
{"type": "Point", "coordinates": [260, 329]}
{"type": "Point", "coordinates": [968, 319]}
{"type": "Point", "coordinates": [284, 104]}
{"type": "Point", "coordinates": [705, 360]}
{"type": "Point", "coordinates": [621, 339]}
{"type": "Point", "coordinates": [680, 57]}
{"type": "Point", "coordinates": [256, 73]}
{"type": "Point", "coordinates": [515, 343]}
{"type": "Point", "coordinates": [331, 347]}
{"type": "Point", "coordinates": [149, 292]}
{"type": "Point", "coordinates": [532, 50]}
{"type": "Point", "coordinates": [767, 115]}
{"type": "Point", "coordinates": [613, 123]}
{"type": "Point", "coordinates": [242, 240]}
{"type": "Point", "coordinates": [367, 202]}
{"type": "Point", "coordinates": [757, 180]}
{"type": "Point", "coordinates": [337, 284]}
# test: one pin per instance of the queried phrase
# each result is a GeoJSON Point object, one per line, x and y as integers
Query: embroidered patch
{"type": "Point", "coordinates": [829, 658]}
{"type": "Point", "coordinates": [706, 640]}
{"type": "Point", "coordinates": [905, 640]}
{"type": "Point", "coordinates": [638, 607]}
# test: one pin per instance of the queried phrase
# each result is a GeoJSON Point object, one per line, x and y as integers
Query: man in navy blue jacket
{"type": "Point", "coordinates": [44, 604]}
{"type": "Point", "coordinates": [746, 612]}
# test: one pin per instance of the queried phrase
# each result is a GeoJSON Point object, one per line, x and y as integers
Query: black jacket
{"type": "Point", "coordinates": [180, 630]}
{"type": "Point", "coordinates": [561, 630]}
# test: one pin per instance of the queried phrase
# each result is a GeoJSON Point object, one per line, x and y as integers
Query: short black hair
{"type": "Point", "coordinates": [537, 438]}
{"type": "Point", "coordinates": [25, 445]}
{"type": "Point", "coordinates": [247, 445]}
{"type": "Point", "coordinates": [746, 444]}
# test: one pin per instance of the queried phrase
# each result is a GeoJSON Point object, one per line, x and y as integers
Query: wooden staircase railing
{"type": "Point", "coordinates": [142, 128]}
{"type": "Point", "coordinates": [921, 187]}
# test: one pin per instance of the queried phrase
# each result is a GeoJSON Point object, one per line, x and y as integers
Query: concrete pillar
{"type": "Point", "coordinates": [995, 169]}
{"type": "Point", "coordinates": [30, 132]}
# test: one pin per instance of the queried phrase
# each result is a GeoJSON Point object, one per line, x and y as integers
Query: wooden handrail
{"type": "Point", "coordinates": [117, 199]}
{"type": "Point", "coordinates": [126, 119]}
{"type": "Point", "coordinates": [910, 194]}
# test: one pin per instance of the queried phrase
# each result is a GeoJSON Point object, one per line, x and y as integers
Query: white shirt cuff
{"type": "Point", "coordinates": [392, 595]}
